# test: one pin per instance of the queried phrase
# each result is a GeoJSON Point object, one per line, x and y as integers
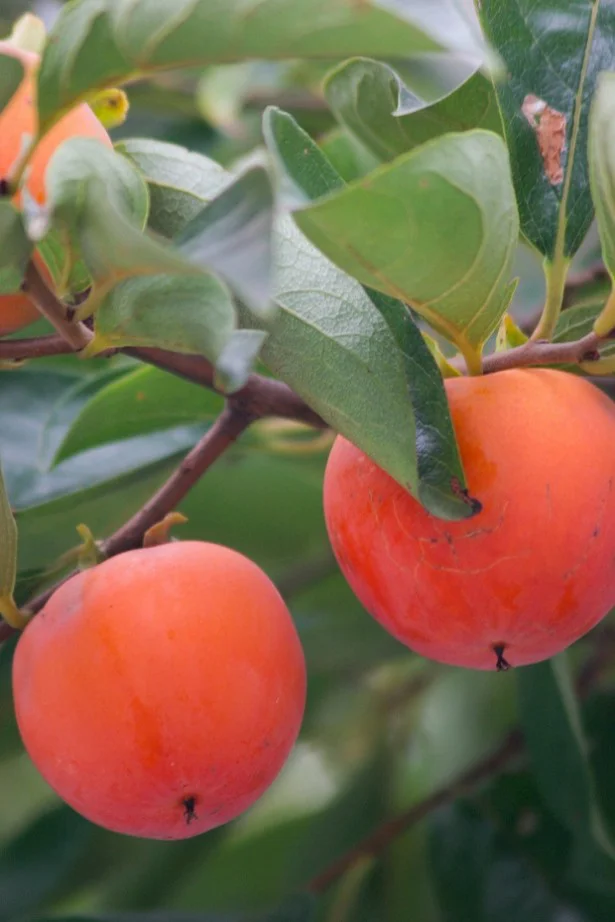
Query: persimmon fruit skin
{"type": "Point", "coordinates": [17, 119]}
{"type": "Point", "coordinates": [161, 692]}
{"type": "Point", "coordinates": [534, 570]}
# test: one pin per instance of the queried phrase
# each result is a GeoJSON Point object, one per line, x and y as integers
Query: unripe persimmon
{"type": "Point", "coordinates": [18, 123]}
{"type": "Point", "coordinates": [161, 692]}
{"type": "Point", "coordinates": [530, 573]}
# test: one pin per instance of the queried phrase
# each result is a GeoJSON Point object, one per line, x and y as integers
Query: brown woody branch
{"type": "Point", "coordinates": [74, 333]}
{"type": "Point", "coordinates": [538, 352]}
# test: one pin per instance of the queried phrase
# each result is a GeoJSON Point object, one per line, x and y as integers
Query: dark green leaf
{"type": "Point", "coordinates": [147, 400]}
{"type": "Point", "coordinates": [398, 231]}
{"type": "Point", "coordinates": [437, 456]}
{"type": "Point", "coordinates": [375, 105]}
{"type": "Point", "coordinates": [15, 248]}
{"type": "Point", "coordinates": [233, 236]}
{"type": "Point", "coordinates": [553, 54]}
{"type": "Point", "coordinates": [479, 878]}
{"type": "Point", "coordinates": [552, 724]}
{"type": "Point", "coordinates": [33, 865]}
{"type": "Point", "coordinates": [11, 75]}
{"type": "Point", "coordinates": [97, 43]}
{"type": "Point", "coordinates": [8, 543]}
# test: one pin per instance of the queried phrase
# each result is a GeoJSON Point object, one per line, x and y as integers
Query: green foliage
{"type": "Point", "coordinates": [374, 230]}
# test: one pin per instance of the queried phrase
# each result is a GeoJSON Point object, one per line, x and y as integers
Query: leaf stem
{"type": "Point", "coordinates": [555, 274]}
{"type": "Point", "coordinates": [605, 322]}
{"type": "Point", "coordinates": [472, 357]}
{"type": "Point", "coordinates": [76, 335]}
{"type": "Point", "coordinates": [13, 617]}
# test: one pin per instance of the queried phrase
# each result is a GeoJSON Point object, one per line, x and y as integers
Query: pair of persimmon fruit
{"type": "Point", "coordinates": [160, 692]}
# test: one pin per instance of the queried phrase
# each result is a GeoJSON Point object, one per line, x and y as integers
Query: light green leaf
{"type": "Point", "coordinates": [376, 106]}
{"type": "Point", "coordinates": [436, 228]}
{"type": "Point", "coordinates": [237, 359]}
{"type": "Point", "coordinates": [551, 723]}
{"type": "Point", "coordinates": [99, 203]}
{"type": "Point", "coordinates": [189, 315]}
{"type": "Point", "coordinates": [97, 43]}
{"type": "Point", "coordinates": [232, 235]}
{"type": "Point", "coordinates": [11, 75]}
{"type": "Point", "coordinates": [15, 248]}
{"type": "Point", "coordinates": [144, 401]}
{"type": "Point", "coordinates": [602, 182]}
{"type": "Point", "coordinates": [180, 182]}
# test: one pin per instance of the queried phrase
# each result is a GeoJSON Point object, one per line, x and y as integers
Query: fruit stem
{"type": "Point", "coordinates": [556, 273]}
{"type": "Point", "coordinates": [11, 613]}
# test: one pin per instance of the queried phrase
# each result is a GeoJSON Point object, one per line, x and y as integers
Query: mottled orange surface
{"type": "Point", "coordinates": [161, 692]}
{"type": "Point", "coordinates": [535, 569]}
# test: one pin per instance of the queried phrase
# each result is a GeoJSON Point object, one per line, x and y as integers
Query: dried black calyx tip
{"type": "Point", "coordinates": [502, 665]}
{"type": "Point", "coordinates": [463, 494]}
{"type": "Point", "coordinates": [5, 188]}
{"type": "Point", "coordinates": [189, 804]}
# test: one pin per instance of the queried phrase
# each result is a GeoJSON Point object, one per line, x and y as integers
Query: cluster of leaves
{"type": "Point", "coordinates": [303, 257]}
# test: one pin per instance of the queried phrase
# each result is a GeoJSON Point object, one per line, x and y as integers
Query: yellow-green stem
{"type": "Point", "coordinates": [605, 322]}
{"type": "Point", "coordinates": [556, 273]}
{"type": "Point", "coordinates": [11, 614]}
{"type": "Point", "coordinates": [472, 356]}
{"type": "Point", "coordinates": [349, 890]}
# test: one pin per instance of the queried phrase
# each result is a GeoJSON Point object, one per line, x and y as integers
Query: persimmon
{"type": "Point", "coordinates": [534, 570]}
{"type": "Point", "coordinates": [160, 692]}
{"type": "Point", "coordinates": [18, 123]}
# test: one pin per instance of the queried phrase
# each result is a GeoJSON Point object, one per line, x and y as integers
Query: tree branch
{"type": "Point", "coordinates": [544, 353]}
{"type": "Point", "coordinates": [36, 347]}
{"type": "Point", "coordinates": [76, 334]}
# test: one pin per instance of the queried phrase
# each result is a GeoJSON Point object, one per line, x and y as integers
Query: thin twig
{"type": "Point", "coordinates": [36, 347]}
{"type": "Point", "coordinates": [228, 427]}
{"type": "Point", "coordinates": [76, 334]}
{"type": "Point", "coordinates": [544, 353]}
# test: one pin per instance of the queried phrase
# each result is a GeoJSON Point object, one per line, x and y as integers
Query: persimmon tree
{"type": "Point", "coordinates": [232, 235]}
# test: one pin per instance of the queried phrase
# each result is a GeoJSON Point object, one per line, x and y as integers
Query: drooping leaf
{"type": "Point", "coordinates": [97, 43]}
{"type": "Point", "coordinates": [375, 105]}
{"type": "Point", "coordinates": [237, 359]}
{"type": "Point", "coordinates": [15, 247]}
{"type": "Point", "coordinates": [191, 315]}
{"type": "Point", "coordinates": [439, 470]}
{"type": "Point", "coordinates": [232, 235]}
{"type": "Point", "coordinates": [146, 400]}
{"type": "Point", "coordinates": [551, 724]}
{"type": "Point", "coordinates": [398, 231]}
{"type": "Point", "coordinates": [553, 55]}
{"type": "Point", "coordinates": [11, 75]}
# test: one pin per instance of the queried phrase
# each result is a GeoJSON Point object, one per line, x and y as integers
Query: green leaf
{"type": "Point", "coordinates": [190, 315]}
{"type": "Point", "coordinates": [97, 43]}
{"type": "Point", "coordinates": [8, 545]}
{"type": "Point", "coordinates": [350, 159]}
{"type": "Point", "coordinates": [146, 400]}
{"type": "Point", "coordinates": [232, 235]}
{"type": "Point", "coordinates": [375, 105]}
{"type": "Point", "coordinates": [180, 182]}
{"type": "Point", "coordinates": [551, 724]}
{"type": "Point", "coordinates": [437, 458]}
{"type": "Point", "coordinates": [33, 866]}
{"type": "Point", "coordinates": [15, 248]}
{"type": "Point", "coordinates": [479, 877]}
{"type": "Point", "coordinates": [397, 231]}
{"type": "Point", "coordinates": [237, 359]}
{"type": "Point", "coordinates": [602, 182]}
{"type": "Point", "coordinates": [296, 909]}
{"type": "Point", "coordinates": [11, 75]}
{"type": "Point", "coordinates": [553, 55]}
{"type": "Point", "coordinates": [99, 202]}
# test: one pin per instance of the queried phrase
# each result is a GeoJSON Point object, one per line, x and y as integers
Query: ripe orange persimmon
{"type": "Point", "coordinates": [161, 692]}
{"type": "Point", "coordinates": [18, 121]}
{"type": "Point", "coordinates": [528, 575]}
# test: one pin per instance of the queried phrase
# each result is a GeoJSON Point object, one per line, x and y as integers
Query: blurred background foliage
{"type": "Point", "coordinates": [383, 730]}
